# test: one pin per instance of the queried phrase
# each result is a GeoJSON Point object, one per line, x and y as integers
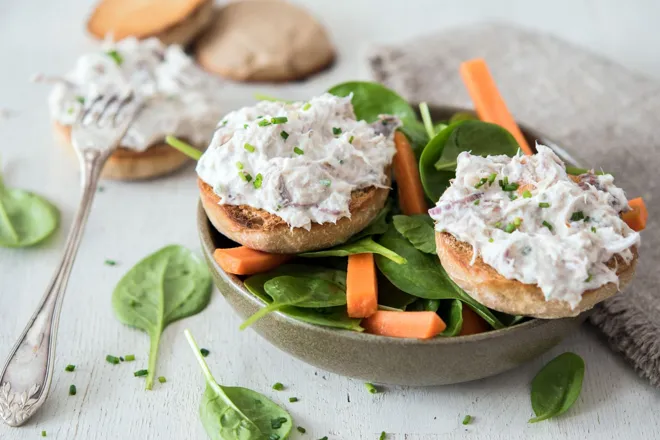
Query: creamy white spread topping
{"type": "Point", "coordinates": [179, 98]}
{"type": "Point", "coordinates": [299, 161]}
{"type": "Point", "coordinates": [550, 231]}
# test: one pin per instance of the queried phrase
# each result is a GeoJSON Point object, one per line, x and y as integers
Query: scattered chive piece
{"type": "Point", "coordinates": [336, 131]}
{"type": "Point", "coordinates": [121, 358]}
{"type": "Point", "coordinates": [383, 436]}
{"type": "Point", "coordinates": [588, 278]}
{"type": "Point", "coordinates": [70, 111]}
{"type": "Point", "coordinates": [547, 225]}
{"type": "Point", "coordinates": [325, 182]}
{"type": "Point", "coordinates": [279, 120]}
{"type": "Point", "coordinates": [278, 422]}
{"type": "Point", "coordinates": [162, 379]}
{"type": "Point", "coordinates": [224, 122]}
{"type": "Point", "coordinates": [577, 216]}
{"type": "Point", "coordinates": [245, 176]}
{"type": "Point", "coordinates": [115, 56]}
{"type": "Point", "coordinates": [371, 388]}
{"type": "Point", "coordinates": [72, 390]}
{"type": "Point", "coordinates": [204, 352]}
{"type": "Point", "coordinates": [510, 228]}
{"type": "Point", "coordinates": [284, 134]}
{"type": "Point", "coordinates": [476, 202]}
{"type": "Point", "coordinates": [239, 165]}
{"type": "Point", "coordinates": [498, 225]}
{"type": "Point", "coordinates": [257, 181]}
{"type": "Point", "coordinates": [527, 194]}
{"type": "Point", "coordinates": [263, 123]}
{"type": "Point", "coordinates": [587, 218]}
{"type": "Point", "coordinates": [510, 187]}
{"type": "Point", "coordinates": [141, 373]}
{"type": "Point", "coordinates": [544, 205]}
{"type": "Point", "coordinates": [481, 183]}
{"type": "Point", "coordinates": [81, 100]}
{"type": "Point", "coordinates": [512, 196]}
{"type": "Point", "coordinates": [259, 117]}
{"type": "Point", "coordinates": [307, 106]}
{"type": "Point", "coordinates": [593, 229]}
{"type": "Point", "coordinates": [43, 433]}
{"type": "Point", "coordinates": [467, 419]}
{"type": "Point", "coordinates": [325, 437]}
{"type": "Point", "coordinates": [293, 399]}
{"type": "Point", "coordinates": [278, 386]}
{"type": "Point", "coordinates": [112, 359]}
{"type": "Point", "coordinates": [491, 239]}
{"type": "Point", "coordinates": [110, 263]}
{"type": "Point", "coordinates": [129, 357]}
{"type": "Point", "coordinates": [298, 150]}
{"type": "Point", "coordinates": [517, 221]}
{"type": "Point", "coordinates": [70, 368]}
{"type": "Point", "coordinates": [301, 429]}
{"type": "Point", "coordinates": [249, 147]}
{"type": "Point", "coordinates": [492, 178]}
{"type": "Point", "coordinates": [246, 125]}
{"type": "Point", "coordinates": [350, 139]}
{"type": "Point", "coordinates": [274, 437]}
{"type": "Point", "coordinates": [505, 180]}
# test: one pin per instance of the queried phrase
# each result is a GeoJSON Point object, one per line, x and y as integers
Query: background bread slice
{"type": "Point", "coordinates": [258, 229]}
{"type": "Point", "coordinates": [171, 21]}
{"type": "Point", "coordinates": [126, 164]}
{"type": "Point", "coordinates": [483, 283]}
{"type": "Point", "coordinates": [264, 41]}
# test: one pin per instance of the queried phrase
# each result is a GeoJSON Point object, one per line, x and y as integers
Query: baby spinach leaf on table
{"type": "Point", "coordinates": [363, 246]}
{"type": "Point", "coordinates": [557, 386]}
{"type": "Point", "coordinates": [312, 293]}
{"type": "Point", "coordinates": [371, 99]}
{"type": "Point", "coordinates": [236, 413]}
{"type": "Point", "coordinates": [25, 218]}
{"type": "Point", "coordinates": [377, 226]}
{"type": "Point", "coordinates": [168, 285]}
{"type": "Point", "coordinates": [418, 229]}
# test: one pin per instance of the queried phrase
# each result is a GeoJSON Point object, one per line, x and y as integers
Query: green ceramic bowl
{"type": "Point", "coordinates": [387, 360]}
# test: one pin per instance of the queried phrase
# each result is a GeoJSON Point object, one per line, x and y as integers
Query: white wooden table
{"type": "Point", "coordinates": [131, 220]}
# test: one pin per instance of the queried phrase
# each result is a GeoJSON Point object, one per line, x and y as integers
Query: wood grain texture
{"type": "Point", "coordinates": [131, 220]}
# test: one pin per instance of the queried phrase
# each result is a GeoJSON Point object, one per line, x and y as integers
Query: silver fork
{"type": "Point", "coordinates": [26, 377]}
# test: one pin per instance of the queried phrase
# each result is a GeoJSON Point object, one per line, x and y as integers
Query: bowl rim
{"type": "Point", "coordinates": [205, 229]}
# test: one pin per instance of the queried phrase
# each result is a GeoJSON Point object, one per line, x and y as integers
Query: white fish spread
{"type": "Point", "coordinates": [531, 222]}
{"type": "Point", "coordinates": [300, 161]}
{"type": "Point", "coordinates": [179, 98]}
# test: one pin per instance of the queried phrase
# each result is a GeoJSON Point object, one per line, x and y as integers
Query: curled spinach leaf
{"type": "Point", "coordinates": [557, 386]}
{"type": "Point", "coordinates": [364, 246]}
{"type": "Point", "coordinates": [451, 312]}
{"type": "Point", "coordinates": [168, 285]}
{"type": "Point", "coordinates": [418, 229]}
{"type": "Point", "coordinates": [25, 218]}
{"type": "Point", "coordinates": [236, 413]}
{"type": "Point", "coordinates": [371, 99]}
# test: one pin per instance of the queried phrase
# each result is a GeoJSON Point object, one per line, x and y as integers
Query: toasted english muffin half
{"type": "Point", "coordinates": [483, 283]}
{"type": "Point", "coordinates": [263, 231]}
{"type": "Point", "coordinates": [127, 164]}
{"type": "Point", "coordinates": [171, 21]}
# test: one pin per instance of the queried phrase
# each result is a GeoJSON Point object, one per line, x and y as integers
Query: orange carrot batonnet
{"type": "Point", "coordinates": [472, 323]}
{"type": "Point", "coordinates": [245, 261]}
{"type": "Point", "coordinates": [638, 215]}
{"type": "Point", "coordinates": [421, 325]}
{"type": "Point", "coordinates": [406, 172]}
{"type": "Point", "coordinates": [361, 286]}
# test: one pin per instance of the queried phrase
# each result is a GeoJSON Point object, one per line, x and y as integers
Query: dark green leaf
{"type": "Point", "coordinates": [451, 312]}
{"type": "Point", "coordinates": [391, 296]}
{"type": "Point", "coordinates": [416, 134]}
{"type": "Point", "coordinates": [372, 99]}
{"type": "Point", "coordinates": [364, 246]}
{"type": "Point", "coordinates": [418, 229]}
{"type": "Point", "coordinates": [425, 305]}
{"type": "Point", "coordinates": [557, 386]}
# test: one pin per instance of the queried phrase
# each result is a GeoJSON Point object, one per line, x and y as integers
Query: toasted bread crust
{"type": "Point", "coordinates": [263, 231]}
{"type": "Point", "coordinates": [483, 283]}
{"type": "Point", "coordinates": [171, 21]}
{"type": "Point", "coordinates": [126, 164]}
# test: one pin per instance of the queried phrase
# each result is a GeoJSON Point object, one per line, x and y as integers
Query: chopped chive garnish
{"type": "Point", "coordinates": [245, 176]}
{"type": "Point", "coordinates": [577, 216]}
{"type": "Point", "coordinates": [588, 278]}
{"type": "Point", "coordinates": [70, 111]}
{"type": "Point", "coordinates": [512, 196]}
{"type": "Point", "coordinates": [293, 399]}
{"type": "Point", "coordinates": [505, 180]}
{"type": "Point", "coordinates": [278, 386]}
{"type": "Point", "coordinates": [284, 134]}
{"type": "Point", "coordinates": [115, 56]}
{"type": "Point", "coordinates": [307, 106]}
{"type": "Point", "coordinates": [239, 165]}
{"type": "Point", "coordinates": [121, 358]}
{"type": "Point", "coordinates": [80, 99]}
{"type": "Point", "coordinates": [510, 187]}
{"type": "Point", "coordinates": [277, 422]}
{"type": "Point", "coordinates": [246, 125]}
{"type": "Point", "coordinates": [547, 225]}
{"type": "Point", "coordinates": [350, 139]}
{"type": "Point", "coordinates": [279, 120]}
{"type": "Point", "coordinates": [72, 390]}
{"type": "Point", "coordinates": [110, 263]}
{"type": "Point", "coordinates": [492, 178]}
{"type": "Point", "coordinates": [129, 357]}
{"type": "Point", "coordinates": [257, 181]}
{"type": "Point", "coordinates": [204, 352]}
{"type": "Point", "coordinates": [141, 373]}
{"type": "Point", "coordinates": [517, 221]}
{"type": "Point", "coordinates": [263, 123]}
{"type": "Point", "coordinates": [371, 388]}
{"type": "Point", "coordinates": [467, 419]}
{"type": "Point", "coordinates": [183, 147]}
{"type": "Point", "coordinates": [112, 359]}
{"type": "Point", "coordinates": [481, 183]}
{"type": "Point", "coordinates": [491, 239]}
{"type": "Point", "coordinates": [259, 117]}
{"type": "Point", "coordinates": [593, 229]}
{"type": "Point", "coordinates": [527, 194]}
{"type": "Point", "coordinates": [70, 368]}
{"type": "Point", "coordinates": [298, 150]}
{"type": "Point", "coordinates": [162, 379]}
{"type": "Point", "coordinates": [336, 131]}
{"type": "Point", "coordinates": [510, 228]}
{"type": "Point", "coordinates": [224, 122]}
{"type": "Point", "coordinates": [325, 437]}
{"type": "Point", "coordinates": [498, 225]}
{"type": "Point", "coordinates": [249, 147]}
{"type": "Point", "coordinates": [301, 430]}
{"type": "Point", "coordinates": [325, 182]}
{"type": "Point", "coordinates": [544, 205]}
{"type": "Point", "coordinates": [43, 433]}
{"type": "Point", "coordinates": [587, 219]}
{"type": "Point", "coordinates": [383, 436]}
{"type": "Point", "coordinates": [476, 202]}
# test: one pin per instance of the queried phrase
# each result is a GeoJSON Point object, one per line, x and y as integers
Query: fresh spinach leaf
{"type": "Point", "coordinates": [391, 296]}
{"type": "Point", "coordinates": [425, 305]}
{"type": "Point", "coordinates": [451, 312]}
{"type": "Point", "coordinates": [25, 218]}
{"type": "Point", "coordinates": [557, 386]}
{"type": "Point", "coordinates": [372, 99]}
{"type": "Point", "coordinates": [236, 413]}
{"type": "Point", "coordinates": [168, 285]}
{"type": "Point", "coordinates": [377, 226]}
{"type": "Point", "coordinates": [364, 246]}
{"type": "Point", "coordinates": [309, 293]}
{"type": "Point", "coordinates": [418, 229]}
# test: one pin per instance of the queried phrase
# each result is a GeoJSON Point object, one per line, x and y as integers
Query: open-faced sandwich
{"type": "Point", "coordinates": [177, 97]}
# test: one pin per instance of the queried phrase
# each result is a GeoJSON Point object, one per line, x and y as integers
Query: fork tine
{"type": "Point", "coordinates": [87, 116]}
{"type": "Point", "coordinates": [126, 108]}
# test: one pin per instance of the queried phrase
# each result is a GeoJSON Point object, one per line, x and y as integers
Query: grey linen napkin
{"type": "Point", "coordinates": [606, 115]}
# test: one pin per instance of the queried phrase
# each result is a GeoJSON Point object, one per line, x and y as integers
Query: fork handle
{"type": "Point", "coordinates": [26, 377]}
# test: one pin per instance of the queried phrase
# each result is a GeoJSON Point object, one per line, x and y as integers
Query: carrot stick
{"type": "Point", "coordinates": [421, 325]}
{"type": "Point", "coordinates": [637, 217]}
{"type": "Point", "coordinates": [406, 172]}
{"type": "Point", "coordinates": [472, 323]}
{"type": "Point", "coordinates": [361, 286]}
{"type": "Point", "coordinates": [245, 261]}
{"type": "Point", "coordinates": [488, 101]}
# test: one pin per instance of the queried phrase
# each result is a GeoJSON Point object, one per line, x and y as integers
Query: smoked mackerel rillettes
{"type": "Point", "coordinates": [300, 161]}
{"type": "Point", "coordinates": [529, 220]}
